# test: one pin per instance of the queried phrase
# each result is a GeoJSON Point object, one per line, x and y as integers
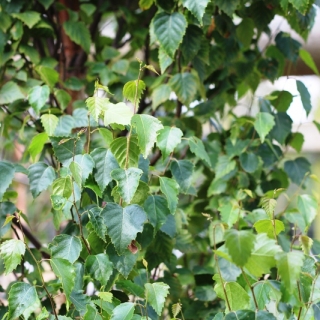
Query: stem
{"type": "Point", "coordinates": [40, 272]}
{"type": "Point", "coordinates": [300, 309]}
{"type": "Point", "coordinates": [89, 134]}
{"type": "Point", "coordinates": [217, 264]}
{"type": "Point", "coordinates": [252, 291]}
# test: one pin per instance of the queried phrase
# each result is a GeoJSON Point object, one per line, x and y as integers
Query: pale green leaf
{"type": "Point", "coordinates": [38, 96]}
{"type": "Point", "coordinates": [156, 295]}
{"type": "Point", "coordinates": [37, 144]}
{"type": "Point", "coordinates": [105, 162]}
{"type": "Point", "coordinates": [30, 18]}
{"type": "Point", "coordinates": [197, 8]}
{"type": "Point", "coordinates": [123, 224]}
{"type": "Point", "coordinates": [182, 171]}
{"type": "Point", "coordinates": [62, 187]}
{"type": "Point", "coordinates": [308, 60]}
{"type": "Point", "coordinates": [228, 7]}
{"type": "Point", "coordinates": [92, 313]}
{"type": "Point", "coordinates": [123, 311]}
{"type": "Point", "coordinates": [197, 147]}
{"type": "Point", "coordinates": [49, 122]}
{"type": "Point", "coordinates": [11, 252]}
{"type": "Point", "coordinates": [300, 5]}
{"type": "Point", "coordinates": [10, 92]}
{"type": "Point", "coordinates": [64, 270]}
{"type": "Point", "coordinates": [76, 172]}
{"type": "Point", "coordinates": [82, 167]}
{"type": "Point", "coordinates": [78, 33]}
{"type": "Point", "coordinates": [185, 86]}
{"type": "Point", "coordinates": [306, 244]}
{"type": "Point", "coordinates": [48, 75]}
{"type": "Point", "coordinates": [170, 189]}
{"type": "Point", "coordinates": [157, 210]}
{"type": "Point", "coordinates": [63, 98]}
{"type": "Point", "coordinates": [240, 245]}
{"type": "Point", "coordinates": [289, 265]}
{"type": "Point", "coordinates": [229, 211]}
{"type": "Point", "coordinates": [88, 8]}
{"type": "Point", "coordinates": [121, 66]}
{"type": "Point", "coordinates": [308, 207]}
{"type": "Point", "coordinates": [65, 247]}
{"type": "Point", "coordinates": [262, 258]}
{"type": "Point", "coordinates": [167, 139]}
{"type": "Point", "coordinates": [7, 171]}
{"type": "Point", "coordinates": [160, 95]}
{"type": "Point", "coordinates": [263, 124]}
{"type": "Point", "coordinates": [41, 176]}
{"type": "Point", "coordinates": [145, 4]}
{"type": "Point", "coordinates": [118, 113]}
{"type": "Point", "coordinates": [99, 267]}
{"type": "Point", "coordinates": [164, 60]}
{"type": "Point", "coordinates": [127, 182]}
{"type": "Point", "coordinates": [133, 90]}
{"type": "Point", "coordinates": [119, 147]}
{"type": "Point", "coordinates": [96, 105]}
{"type": "Point", "coordinates": [304, 96]}
{"type": "Point", "coordinates": [43, 315]}
{"type": "Point", "coordinates": [147, 128]}
{"type": "Point", "coordinates": [169, 30]}
{"type": "Point", "coordinates": [23, 300]}
{"type": "Point", "coordinates": [271, 227]}
{"type": "Point", "coordinates": [105, 296]}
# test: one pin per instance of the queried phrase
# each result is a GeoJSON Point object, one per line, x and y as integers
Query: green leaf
{"type": "Point", "coordinates": [118, 113]}
{"type": "Point", "coordinates": [105, 162]}
{"type": "Point", "coordinates": [99, 267]}
{"type": "Point", "coordinates": [182, 171]}
{"type": "Point", "coordinates": [10, 92]}
{"type": "Point", "coordinates": [308, 60]}
{"type": "Point", "coordinates": [91, 313]}
{"type": "Point", "coordinates": [96, 105]}
{"type": "Point", "coordinates": [119, 148]}
{"type": "Point", "coordinates": [156, 294]}
{"type": "Point", "coordinates": [11, 252]}
{"type": "Point", "coordinates": [121, 66]}
{"type": "Point", "coordinates": [288, 46]}
{"type": "Point", "coordinates": [147, 128]}
{"type": "Point", "coordinates": [245, 31]}
{"type": "Point", "coordinates": [308, 207]}
{"type": "Point", "coordinates": [7, 171]}
{"type": "Point", "coordinates": [169, 30]}
{"type": "Point", "coordinates": [289, 265]}
{"type": "Point", "coordinates": [160, 95]}
{"type": "Point", "coordinates": [197, 147]}
{"type": "Point", "coordinates": [127, 182]}
{"type": "Point", "coordinates": [297, 169]}
{"type": "Point", "coordinates": [283, 100]}
{"type": "Point", "coordinates": [282, 128]}
{"type": "Point", "coordinates": [133, 90]}
{"type": "Point", "coordinates": [157, 210]}
{"type": "Point", "coordinates": [171, 190]}
{"type": "Point", "coordinates": [197, 8]}
{"type": "Point", "coordinates": [123, 311]}
{"type": "Point", "coordinates": [238, 298]}
{"type": "Point", "coordinates": [224, 166]}
{"type": "Point", "coordinates": [80, 301]}
{"type": "Point", "coordinates": [84, 168]}
{"type": "Point", "coordinates": [97, 222]}
{"type": "Point", "coordinates": [49, 122]}
{"type": "Point", "coordinates": [65, 247]}
{"type": "Point", "coordinates": [185, 86]}
{"type": "Point", "coordinates": [263, 124]}
{"type": "Point", "coordinates": [305, 96]}
{"type": "Point", "coordinates": [145, 4]}
{"type": "Point", "coordinates": [240, 245]}
{"type": "Point", "coordinates": [271, 227]}
{"type": "Point", "coordinates": [48, 75]}
{"type": "Point", "coordinates": [30, 18]}
{"type": "Point", "coordinates": [37, 144]}
{"type": "Point", "coordinates": [300, 5]}
{"type": "Point", "coordinates": [64, 270]}
{"type": "Point", "coordinates": [78, 33]}
{"type": "Point", "coordinates": [41, 176]}
{"type": "Point", "coordinates": [230, 212]}
{"type": "Point", "coordinates": [38, 96]}
{"type": "Point", "coordinates": [63, 98]}
{"type": "Point", "coordinates": [23, 300]}
{"type": "Point", "coordinates": [262, 258]}
{"type": "Point", "coordinates": [123, 224]}
{"type": "Point", "coordinates": [164, 60]}
{"type": "Point", "coordinates": [167, 139]}
{"type": "Point", "coordinates": [191, 43]}
{"type": "Point", "coordinates": [296, 141]}
{"type": "Point", "coordinates": [124, 263]}
{"type": "Point", "coordinates": [249, 162]}
{"type": "Point", "coordinates": [268, 204]}
{"type": "Point", "coordinates": [62, 187]}
{"type": "Point", "coordinates": [228, 7]}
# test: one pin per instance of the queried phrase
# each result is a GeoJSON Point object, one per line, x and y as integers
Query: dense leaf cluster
{"type": "Point", "coordinates": [160, 222]}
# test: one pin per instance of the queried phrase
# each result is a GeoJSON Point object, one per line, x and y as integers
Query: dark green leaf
{"type": "Point", "coordinates": [48, 75]}
{"type": "Point", "coordinates": [30, 18]}
{"type": "Point", "coordinates": [249, 162]}
{"type": "Point", "coordinates": [99, 267]}
{"type": "Point", "coordinates": [305, 96]}
{"type": "Point", "coordinates": [288, 46]}
{"type": "Point", "coordinates": [170, 189]}
{"type": "Point", "coordinates": [297, 169]}
{"type": "Point", "coordinates": [157, 211]}
{"type": "Point", "coordinates": [7, 171]}
{"type": "Point", "coordinates": [282, 128]}
{"type": "Point", "coordinates": [80, 301]}
{"type": "Point", "coordinates": [182, 171]}
{"type": "Point", "coordinates": [228, 7]}
{"type": "Point", "coordinates": [197, 147]}
{"type": "Point", "coordinates": [10, 92]}
{"type": "Point", "coordinates": [191, 42]}
{"type": "Point", "coordinates": [78, 33]}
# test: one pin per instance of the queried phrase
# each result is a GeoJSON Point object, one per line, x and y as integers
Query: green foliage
{"type": "Point", "coordinates": [160, 217]}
